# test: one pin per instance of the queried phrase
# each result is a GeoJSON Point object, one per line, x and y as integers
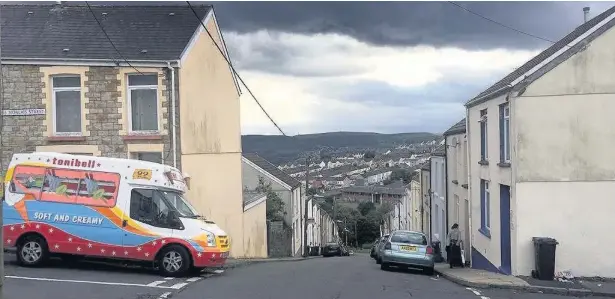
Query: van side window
{"type": "Point", "coordinates": [28, 180]}
{"type": "Point", "coordinates": [147, 206]}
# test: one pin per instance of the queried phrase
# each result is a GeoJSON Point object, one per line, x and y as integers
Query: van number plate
{"type": "Point", "coordinates": [408, 248]}
{"type": "Point", "coordinates": [224, 254]}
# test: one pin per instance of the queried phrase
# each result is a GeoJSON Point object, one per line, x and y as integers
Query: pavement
{"type": "Point", "coordinates": [351, 277]}
{"type": "Point", "coordinates": [480, 279]}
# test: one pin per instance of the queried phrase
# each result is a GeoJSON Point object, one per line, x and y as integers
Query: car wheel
{"type": "Point", "coordinates": [32, 251]}
{"type": "Point", "coordinates": [384, 266]}
{"type": "Point", "coordinates": [174, 261]}
{"type": "Point", "coordinates": [429, 271]}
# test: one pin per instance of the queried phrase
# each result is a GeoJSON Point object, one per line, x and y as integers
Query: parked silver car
{"type": "Point", "coordinates": [407, 249]}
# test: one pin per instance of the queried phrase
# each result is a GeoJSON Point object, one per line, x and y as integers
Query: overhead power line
{"type": "Point", "coordinates": [196, 15]}
{"type": "Point", "coordinates": [109, 38]}
{"type": "Point", "coordinates": [500, 24]}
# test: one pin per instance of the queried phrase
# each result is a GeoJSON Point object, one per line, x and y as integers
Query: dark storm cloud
{"type": "Point", "coordinates": [404, 23]}
{"type": "Point", "coordinates": [412, 23]}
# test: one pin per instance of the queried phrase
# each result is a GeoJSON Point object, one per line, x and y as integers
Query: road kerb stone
{"type": "Point", "coordinates": [533, 289]}
{"type": "Point", "coordinates": [248, 262]}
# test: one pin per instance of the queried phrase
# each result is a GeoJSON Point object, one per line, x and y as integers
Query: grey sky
{"type": "Point", "coordinates": [314, 79]}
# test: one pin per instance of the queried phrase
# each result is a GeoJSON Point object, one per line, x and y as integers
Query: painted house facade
{"type": "Point", "coordinates": [458, 203]}
{"type": "Point", "coordinates": [438, 196]}
{"type": "Point", "coordinates": [416, 200]}
{"type": "Point", "coordinates": [539, 150]}
{"type": "Point", "coordinates": [175, 102]}
{"type": "Point", "coordinates": [288, 188]}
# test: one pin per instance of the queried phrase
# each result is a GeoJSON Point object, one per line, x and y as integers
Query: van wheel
{"type": "Point", "coordinates": [174, 261]}
{"type": "Point", "coordinates": [32, 251]}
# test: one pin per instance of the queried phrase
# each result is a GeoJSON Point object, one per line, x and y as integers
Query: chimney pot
{"type": "Point", "coordinates": [585, 14]}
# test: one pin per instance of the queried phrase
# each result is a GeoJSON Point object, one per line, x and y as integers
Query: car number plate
{"type": "Point", "coordinates": [408, 248]}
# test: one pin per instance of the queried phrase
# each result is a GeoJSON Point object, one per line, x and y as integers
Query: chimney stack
{"type": "Point", "coordinates": [585, 14]}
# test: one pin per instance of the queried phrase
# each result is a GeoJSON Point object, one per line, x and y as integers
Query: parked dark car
{"type": "Point", "coordinates": [345, 251]}
{"type": "Point", "coordinates": [332, 249]}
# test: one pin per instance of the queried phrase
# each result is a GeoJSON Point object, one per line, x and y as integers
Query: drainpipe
{"type": "Point", "coordinates": [173, 125]}
{"type": "Point", "coordinates": [446, 222]}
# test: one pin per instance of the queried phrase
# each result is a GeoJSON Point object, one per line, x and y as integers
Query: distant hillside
{"type": "Point", "coordinates": [280, 149]}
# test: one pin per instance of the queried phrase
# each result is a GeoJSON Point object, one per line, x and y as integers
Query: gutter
{"type": "Point", "coordinates": [88, 62]}
{"type": "Point", "coordinates": [486, 97]}
{"type": "Point", "coordinates": [174, 127]}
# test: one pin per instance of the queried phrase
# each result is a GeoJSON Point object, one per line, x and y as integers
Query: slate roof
{"type": "Point", "coordinates": [440, 151]}
{"type": "Point", "coordinates": [44, 30]}
{"type": "Point", "coordinates": [544, 54]}
{"type": "Point", "coordinates": [251, 196]}
{"type": "Point", "coordinates": [457, 128]}
{"type": "Point", "coordinates": [272, 169]}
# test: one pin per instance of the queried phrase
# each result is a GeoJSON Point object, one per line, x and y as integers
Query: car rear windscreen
{"type": "Point", "coordinates": [409, 238]}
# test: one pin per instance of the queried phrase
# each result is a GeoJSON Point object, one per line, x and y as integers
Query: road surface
{"type": "Point", "coordinates": [354, 277]}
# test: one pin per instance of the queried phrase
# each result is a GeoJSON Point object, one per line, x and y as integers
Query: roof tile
{"type": "Point", "coordinates": [44, 30]}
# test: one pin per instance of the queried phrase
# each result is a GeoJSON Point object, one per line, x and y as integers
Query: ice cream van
{"type": "Point", "coordinates": [72, 205]}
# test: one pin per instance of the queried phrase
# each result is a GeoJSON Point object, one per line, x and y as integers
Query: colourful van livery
{"type": "Point", "coordinates": [106, 207]}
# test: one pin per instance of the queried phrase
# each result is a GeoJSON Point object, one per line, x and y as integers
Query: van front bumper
{"type": "Point", "coordinates": [210, 259]}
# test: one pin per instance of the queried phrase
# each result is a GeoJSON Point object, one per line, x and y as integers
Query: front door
{"type": "Point", "coordinates": [505, 229]}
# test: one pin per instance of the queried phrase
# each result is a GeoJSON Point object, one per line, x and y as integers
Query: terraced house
{"type": "Point", "coordinates": [540, 157]}
{"type": "Point", "coordinates": [152, 86]}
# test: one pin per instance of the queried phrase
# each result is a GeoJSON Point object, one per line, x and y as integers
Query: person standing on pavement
{"type": "Point", "coordinates": [454, 251]}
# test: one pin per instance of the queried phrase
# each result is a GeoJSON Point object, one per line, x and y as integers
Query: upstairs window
{"type": "Point", "coordinates": [66, 105]}
{"type": "Point", "coordinates": [505, 133]}
{"type": "Point", "coordinates": [483, 135]}
{"type": "Point", "coordinates": [143, 103]}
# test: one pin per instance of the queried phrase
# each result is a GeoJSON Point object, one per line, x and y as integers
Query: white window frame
{"type": "Point", "coordinates": [506, 126]}
{"type": "Point", "coordinates": [129, 102]}
{"type": "Point", "coordinates": [483, 120]}
{"type": "Point", "coordinates": [487, 206]}
{"type": "Point", "coordinates": [54, 106]}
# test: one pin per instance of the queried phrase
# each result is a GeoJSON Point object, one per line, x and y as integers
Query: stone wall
{"type": "Point", "coordinates": [24, 88]}
{"type": "Point", "coordinates": [279, 239]}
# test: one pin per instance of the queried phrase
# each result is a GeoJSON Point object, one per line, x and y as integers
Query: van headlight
{"type": "Point", "coordinates": [211, 240]}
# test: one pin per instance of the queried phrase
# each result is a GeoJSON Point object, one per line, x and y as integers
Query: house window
{"type": "Point", "coordinates": [155, 157]}
{"type": "Point", "coordinates": [483, 135]}
{"type": "Point", "coordinates": [505, 133]}
{"type": "Point", "coordinates": [143, 103]}
{"type": "Point", "coordinates": [485, 205]}
{"type": "Point", "coordinates": [66, 103]}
